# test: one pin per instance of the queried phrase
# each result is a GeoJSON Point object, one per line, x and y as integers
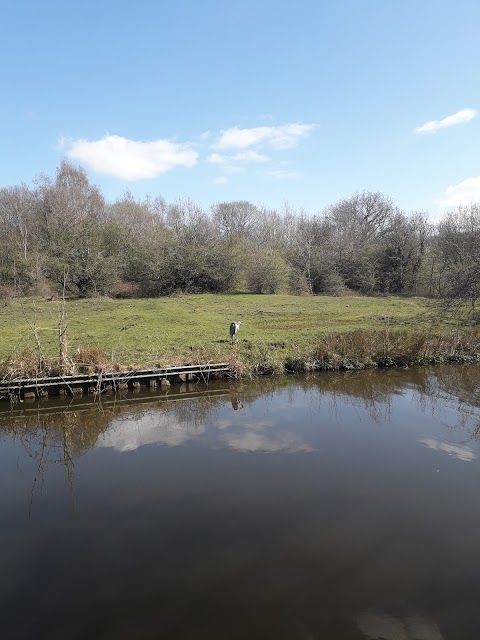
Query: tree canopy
{"type": "Point", "coordinates": [61, 231]}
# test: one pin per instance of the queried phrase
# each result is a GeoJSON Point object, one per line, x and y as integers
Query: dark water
{"type": "Point", "coordinates": [336, 507]}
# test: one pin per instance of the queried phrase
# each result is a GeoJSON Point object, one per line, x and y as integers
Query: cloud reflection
{"type": "Point", "coordinates": [252, 440]}
{"type": "Point", "coordinates": [128, 435]}
{"type": "Point", "coordinates": [152, 428]}
{"type": "Point", "coordinates": [459, 451]}
{"type": "Point", "coordinates": [378, 625]}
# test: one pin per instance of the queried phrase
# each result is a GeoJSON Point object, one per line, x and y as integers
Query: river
{"type": "Point", "coordinates": [326, 507]}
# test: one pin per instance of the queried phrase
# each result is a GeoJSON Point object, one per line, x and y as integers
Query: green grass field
{"type": "Point", "coordinates": [147, 332]}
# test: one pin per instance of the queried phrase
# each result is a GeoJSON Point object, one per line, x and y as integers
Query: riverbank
{"type": "Point", "coordinates": [279, 333]}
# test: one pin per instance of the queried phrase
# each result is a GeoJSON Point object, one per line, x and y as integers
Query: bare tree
{"type": "Point", "coordinates": [71, 212]}
{"type": "Point", "coordinates": [458, 246]}
{"type": "Point", "coordinates": [234, 219]}
{"type": "Point", "coordinates": [16, 207]}
{"type": "Point", "coordinates": [403, 252]}
{"type": "Point", "coordinates": [359, 223]}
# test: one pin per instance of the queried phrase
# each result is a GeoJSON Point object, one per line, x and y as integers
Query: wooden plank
{"type": "Point", "coordinates": [115, 378]}
{"type": "Point", "coordinates": [151, 399]}
{"type": "Point", "coordinates": [85, 377]}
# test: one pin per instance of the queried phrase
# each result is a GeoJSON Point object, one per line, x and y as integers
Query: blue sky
{"type": "Point", "coordinates": [269, 101]}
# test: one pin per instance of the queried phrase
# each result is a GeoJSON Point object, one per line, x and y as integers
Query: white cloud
{"type": "Point", "coordinates": [462, 193]}
{"type": "Point", "coordinates": [281, 137]}
{"type": "Point", "coordinates": [219, 180]}
{"type": "Point", "coordinates": [232, 168]}
{"type": "Point", "coordinates": [231, 164]}
{"type": "Point", "coordinates": [250, 156]}
{"type": "Point", "coordinates": [282, 174]}
{"type": "Point", "coordinates": [244, 156]}
{"type": "Point", "coordinates": [459, 117]}
{"type": "Point", "coordinates": [132, 160]}
{"type": "Point", "coordinates": [216, 158]}
{"type": "Point", "coordinates": [61, 143]}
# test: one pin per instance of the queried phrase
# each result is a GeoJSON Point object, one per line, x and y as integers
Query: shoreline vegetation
{"type": "Point", "coordinates": [279, 334]}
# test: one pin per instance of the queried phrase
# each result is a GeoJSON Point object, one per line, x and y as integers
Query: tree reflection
{"type": "Point", "coordinates": [53, 433]}
{"type": "Point", "coordinates": [55, 438]}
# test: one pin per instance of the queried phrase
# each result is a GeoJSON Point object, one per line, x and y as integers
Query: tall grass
{"type": "Point", "coordinates": [279, 333]}
{"type": "Point", "coordinates": [362, 348]}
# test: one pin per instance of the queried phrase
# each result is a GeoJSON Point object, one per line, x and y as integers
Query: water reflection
{"type": "Point", "coordinates": [262, 436]}
{"type": "Point", "coordinates": [459, 451]}
{"type": "Point", "coordinates": [150, 427]}
{"type": "Point", "coordinates": [61, 432]}
{"type": "Point", "coordinates": [327, 506]}
{"type": "Point", "coordinates": [379, 625]}
{"type": "Point", "coordinates": [236, 403]}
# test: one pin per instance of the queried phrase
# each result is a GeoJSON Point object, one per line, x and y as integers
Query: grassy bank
{"type": "Point", "coordinates": [278, 332]}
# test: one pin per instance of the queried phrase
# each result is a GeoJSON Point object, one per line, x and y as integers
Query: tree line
{"type": "Point", "coordinates": [62, 232]}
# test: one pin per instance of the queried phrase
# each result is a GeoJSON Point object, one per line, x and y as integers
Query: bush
{"type": "Point", "coordinates": [299, 283]}
{"type": "Point", "coordinates": [6, 294]}
{"type": "Point", "coordinates": [267, 273]}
